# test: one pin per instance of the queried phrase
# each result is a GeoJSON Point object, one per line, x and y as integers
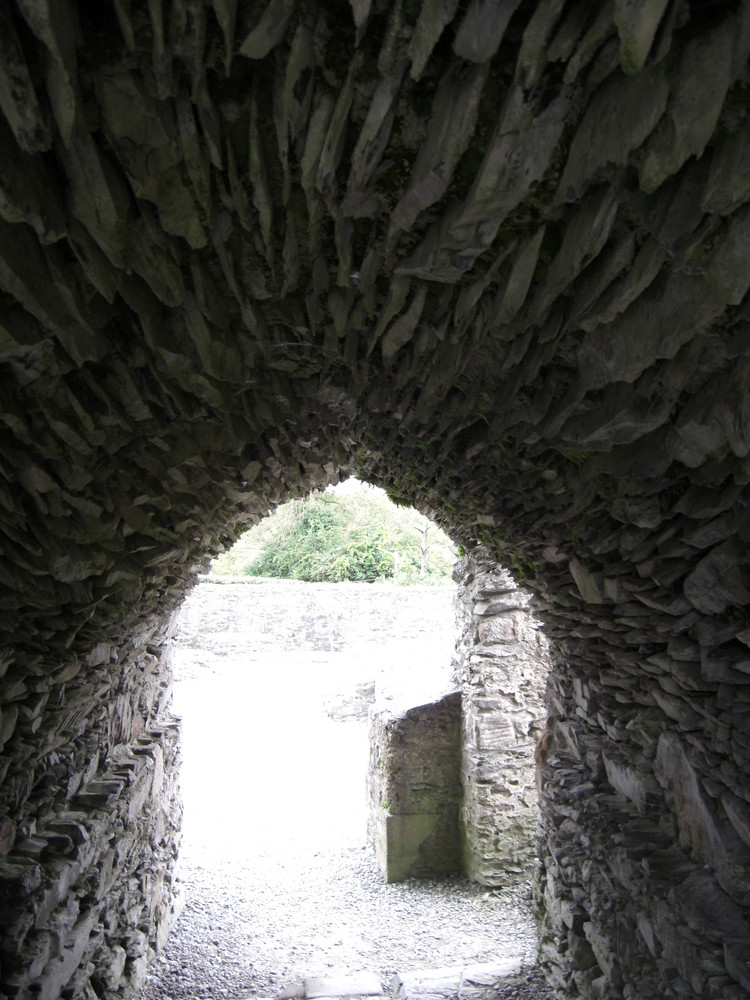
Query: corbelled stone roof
{"type": "Point", "coordinates": [496, 258]}
{"type": "Point", "coordinates": [493, 256]}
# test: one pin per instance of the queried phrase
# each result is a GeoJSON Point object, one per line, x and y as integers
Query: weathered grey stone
{"type": "Point", "coordinates": [452, 123]}
{"type": "Point", "coordinates": [18, 98]}
{"type": "Point", "coordinates": [584, 239]}
{"type": "Point", "coordinates": [631, 783]}
{"type": "Point", "coordinates": [619, 119]}
{"type": "Point", "coordinates": [132, 120]}
{"type": "Point", "coordinates": [588, 586]}
{"type": "Point", "coordinates": [533, 54]}
{"type": "Point", "coordinates": [706, 73]}
{"type": "Point", "coordinates": [737, 960]}
{"type": "Point", "coordinates": [269, 30]}
{"type": "Point", "coordinates": [728, 184]}
{"type": "Point", "coordinates": [719, 580]}
{"type": "Point", "coordinates": [481, 31]}
{"type": "Point", "coordinates": [512, 296]}
{"type": "Point", "coordinates": [373, 139]}
{"type": "Point", "coordinates": [205, 309]}
{"type": "Point", "coordinates": [474, 981]}
{"type": "Point", "coordinates": [516, 160]}
{"type": "Point", "coordinates": [600, 28]}
{"type": "Point", "coordinates": [415, 789]}
{"type": "Point", "coordinates": [364, 984]}
{"type": "Point", "coordinates": [738, 812]}
{"type": "Point", "coordinates": [434, 16]}
{"type": "Point", "coordinates": [637, 22]}
{"type": "Point", "coordinates": [695, 816]}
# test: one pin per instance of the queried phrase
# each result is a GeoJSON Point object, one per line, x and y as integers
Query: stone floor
{"type": "Point", "coordinates": [286, 841]}
{"type": "Point", "coordinates": [476, 982]}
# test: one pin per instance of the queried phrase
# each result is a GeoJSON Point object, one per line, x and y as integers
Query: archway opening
{"type": "Point", "coordinates": [274, 679]}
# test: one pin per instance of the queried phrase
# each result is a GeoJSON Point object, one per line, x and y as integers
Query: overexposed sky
{"type": "Point", "coordinates": [353, 485]}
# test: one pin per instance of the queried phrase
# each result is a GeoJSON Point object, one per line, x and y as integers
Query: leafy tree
{"type": "Point", "coordinates": [343, 535]}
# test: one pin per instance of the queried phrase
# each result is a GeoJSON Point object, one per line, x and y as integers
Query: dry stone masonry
{"type": "Point", "coordinates": [501, 664]}
{"type": "Point", "coordinates": [453, 782]}
{"type": "Point", "coordinates": [414, 779]}
{"type": "Point", "coordinates": [494, 258]}
{"type": "Point", "coordinates": [87, 856]}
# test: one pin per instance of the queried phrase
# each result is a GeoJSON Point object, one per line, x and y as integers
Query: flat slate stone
{"type": "Point", "coordinates": [488, 974]}
{"type": "Point", "coordinates": [294, 992]}
{"type": "Point", "coordinates": [481, 980]}
{"type": "Point", "coordinates": [348, 996]}
{"type": "Point", "coordinates": [426, 982]}
{"type": "Point", "coordinates": [359, 984]}
{"type": "Point", "coordinates": [463, 981]}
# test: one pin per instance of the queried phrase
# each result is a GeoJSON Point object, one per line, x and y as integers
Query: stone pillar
{"type": "Point", "coordinates": [501, 665]}
{"type": "Point", "coordinates": [415, 789]}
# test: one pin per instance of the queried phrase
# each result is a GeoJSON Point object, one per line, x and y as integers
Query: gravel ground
{"type": "Point", "coordinates": [255, 927]}
{"type": "Point", "coordinates": [277, 879]}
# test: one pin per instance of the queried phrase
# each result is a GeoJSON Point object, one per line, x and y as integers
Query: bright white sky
{"type": "Point", "coordinates": [353, 486]}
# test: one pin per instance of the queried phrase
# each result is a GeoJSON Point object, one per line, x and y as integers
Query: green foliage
{"type": "Point", "coordinates": [350, 534]}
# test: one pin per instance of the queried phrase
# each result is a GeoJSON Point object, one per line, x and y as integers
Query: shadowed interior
{"type": "Point", "coordinates": [495, 259]}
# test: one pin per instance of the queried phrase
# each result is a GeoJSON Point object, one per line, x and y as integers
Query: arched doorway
{"type": "Point", "coordinates": [272, 680]}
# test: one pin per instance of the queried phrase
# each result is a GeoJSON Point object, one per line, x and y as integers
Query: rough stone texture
{"type": "Point", "coordinates": [501, 664]}
{"type": "Point", "coordinates": [379, 626]}
{"type": "Point", "coordinates": [205, 308]}
{"type": "Point", "coordinates": [477, 982]}
{"type": "Point", "coordinates": [87, 859]}
{"type": "Point", "coordinates": [414, 777]}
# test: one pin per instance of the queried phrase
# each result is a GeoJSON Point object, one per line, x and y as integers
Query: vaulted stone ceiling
{"type": "Point", "coordinates": [494, 256]}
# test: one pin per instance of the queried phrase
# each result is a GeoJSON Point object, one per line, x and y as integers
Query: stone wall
{"type": "Point", "coordinates": [377, 624]}
{"type": "Point", "coordinates": [501, 664]}
{"type": "Point", "coordinates": [497, 264]}
{"type": "Point", "coordinates": [645, 805]}
{"type": "Point", "coordinates": [414, 778]}
{"type": "Point", "coordinates": [89, 820]}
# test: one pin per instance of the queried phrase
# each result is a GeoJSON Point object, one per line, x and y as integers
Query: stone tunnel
{"type": "Point", "coordinates": [493, 255]}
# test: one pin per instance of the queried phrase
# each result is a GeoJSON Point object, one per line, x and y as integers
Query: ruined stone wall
{"type": "Point", "coordinates": [89, 820]}
{"type": "Point", "coordinates": [645, 805]}
{"type": "Point", "coordinates": [501, 665]}
{"type": "Point", "coordinates": [498, 264]}
{"type": "Point", "coordinates": [415, 789]}
{"type": "Point", "coordinates": [370, 622]}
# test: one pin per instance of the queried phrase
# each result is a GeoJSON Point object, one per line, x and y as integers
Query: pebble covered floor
{"type": "Point", "coordinates": [278, 881]}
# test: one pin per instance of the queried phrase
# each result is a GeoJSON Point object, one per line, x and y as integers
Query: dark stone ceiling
{"type": "Point", "coordinates": [494, 257]}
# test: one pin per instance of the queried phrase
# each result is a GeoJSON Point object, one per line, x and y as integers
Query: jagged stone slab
{"type": "Point", "coordinates": [359, 984]}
